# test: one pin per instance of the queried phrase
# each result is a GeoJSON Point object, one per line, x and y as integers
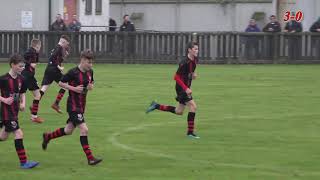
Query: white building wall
{"type": "Point", "coordinates": [93, 19]}
{"type": "Point", "coordinates": [244, 13]}
{"type": "Point", "coordinates": [10, 12]}
{"type": "Point", "coordinates": [191, 17]}
{"type": "Point", "coordinates": [56, 8]}
{"type": "Point", "coordinates": [310, 9]}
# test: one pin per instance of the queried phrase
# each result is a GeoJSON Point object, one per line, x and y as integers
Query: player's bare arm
{"type": "Point", "coordinates": [22, 104]}
{"type": "Point", "coordinates": [7, 101]}
{"type": "Point", "coordinates": [194, 75]}
{"type": "Point", "coordinates": [61, 68]}
{"type": "Point", "coordinates": [90, 86]}
{"type": "Point", "coordinates": [189, 91]}
{"type": "Point", "coordinates": [33, 65]}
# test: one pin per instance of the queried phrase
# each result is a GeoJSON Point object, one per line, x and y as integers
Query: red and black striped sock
{"type": "Point", "coordinates": [191, 116]}
{"type": "Point", "coordinates": [20, 150]}
{"type": "Point", "coordinates": [166, 108]}
{"type": "Point", "coordinates": [35, 107]}
{"type": "Point", "coordinates": [55, 134]}
{"type": "Point", "coordinates": [60, 96]}
{"type": "Point", "coordinates": [86, 147]}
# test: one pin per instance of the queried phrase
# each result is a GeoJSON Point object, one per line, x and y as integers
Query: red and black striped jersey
{"type": "Point", "coordinates": [30, 56]}
{"type": "Point", "coordinates": [75, 77]}
{"type": "Point", "coordinates": [11, 87]}
{"type": "Point", "coordinates": [56, 56]}
{"type": "Point", "coordinates": [184, 73]}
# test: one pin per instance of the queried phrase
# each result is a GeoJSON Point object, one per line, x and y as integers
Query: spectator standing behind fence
{"type": "Point", "coordinates": [112, 25]}
{"type": "Point", "coordinates": [273, 26]}
{"type": "Point", "coordinates": [252, 42]}
{"type": "Point", "coordinates": [75, 25]}
{"type": "Point", "coordinates": [315, 40]}
{"type": "Point", "coordinates": [58, 24]}
{"type": "Point", "coordinates": [127, 25]}
{"type": "Point", "coordinates": [252, 27]}
{"type": "Point", "coordinates": [128, 43]}
{"type": "Point", "coordinates": [111, 39]}
{"type": "Point", "coordinates": [315, 26]}
{"type": "Point", "coordinates": [293, 26]}
{"type": "Point", "coordinates": [294, 41]}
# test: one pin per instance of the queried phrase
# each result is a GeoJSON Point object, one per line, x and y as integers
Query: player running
{"type": "Point", "coordinates": [183, 77]}
{"type": "Point", "coordinates": [55, 69]}
{"type": "Point", "coordinates": [78, 81]}
{"type": "Point", "coordinates": [13, 88]}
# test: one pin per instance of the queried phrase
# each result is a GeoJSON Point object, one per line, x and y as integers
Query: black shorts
{"type": "Point", "coordinates": [183, 98]}
{"type": "Point", "coordinates": [10, 125]}
{"type": "Point", "coordinates": [51, 74]}
{"type": "Point", "coordinates": [31, 81]}
{"type": "Point", "coordinates": [75, 118]}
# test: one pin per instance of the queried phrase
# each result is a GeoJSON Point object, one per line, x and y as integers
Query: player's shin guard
{"type": "Point", "coordinates": [86, 147]}
{"type": "Point", "coordinates": [191, 116]}
{"type": "Point", "coordinates": [166, 108]}
{"type": "Point", "coordinates": [20, 150]}
{"type": "Point", "coordinates": [60, 96]}
{"type": "Point", "coordinates": [35, 107]}
{"type": "Point", "coordinates": [55, 134]}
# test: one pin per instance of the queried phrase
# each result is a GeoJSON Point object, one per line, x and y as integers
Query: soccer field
{"type": "Point", "coordinates": [255, 122]}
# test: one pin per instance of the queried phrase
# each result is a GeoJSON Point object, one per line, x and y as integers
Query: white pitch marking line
{"type": "Point", "coordinates": [115, 142]}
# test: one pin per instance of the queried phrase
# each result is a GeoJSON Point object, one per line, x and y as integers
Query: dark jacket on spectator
{"type": "Point", "coordinates": [129, 26]}
{"type": "Point", "coordinates": [112, 25]}
{"type": "Point", "coordinates": [293, 26]}
{"type": "Point", "coordinates": [75, 26]}
{"type": "Point", "coordinates": [58, 26]}
{"type": "Point", "coordinates": [254, 28]}
{"type": "Point", "coordinates": [315, 26]}
{"type": "Point", "coordinates": [274, 25]}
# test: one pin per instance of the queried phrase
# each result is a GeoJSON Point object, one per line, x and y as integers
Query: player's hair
{"type": "Point", "coordinates": [87, 54]}
{"type": "Point", "coordinates": [35, 42]}
{"type": "Point", "coordinates": [191, 45]}
{"type": "Point", "coordinates": [65, 37]}
{"type": "Point", "coordinates": [125, 16]}
{"type": "Point", "coordinates": [15, 59]}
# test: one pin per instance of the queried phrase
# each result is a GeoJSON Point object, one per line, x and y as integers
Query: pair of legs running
{"type": "Point", "coordinates": [37, 95]}
{"type": "Point", "coordinates": [60, 95]}
{"type": "Point", "coordinates": [52, 74]}
{"type": "Point", "coordinates": [18, 142]}
{"type": "Point", "coordinates": [179, 111]}
{"type": "Point", "coordinates": [68, 130]}
{"type": "Point", "coordinates": [35, 106]}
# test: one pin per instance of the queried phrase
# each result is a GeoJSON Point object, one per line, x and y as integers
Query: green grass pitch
{"type": "Point", "coordinates": [256, 122]}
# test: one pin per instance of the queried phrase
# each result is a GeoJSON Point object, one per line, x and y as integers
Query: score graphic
{"type": "Point", "coordinates": [291, 15]}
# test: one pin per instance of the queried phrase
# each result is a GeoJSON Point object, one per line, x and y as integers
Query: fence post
{"type": "Point", "coordinates": [276, 47]}
{"type": "Point", "coordinates": [125, 46]}
{"type": "Point", "coordinates": [22, 42]}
